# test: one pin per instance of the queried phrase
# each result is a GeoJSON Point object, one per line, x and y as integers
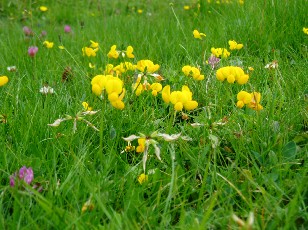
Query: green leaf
{"type": "Point", "coordinates": [289, 150]}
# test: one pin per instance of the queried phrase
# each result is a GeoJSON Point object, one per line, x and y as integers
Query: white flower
{"type": "Point", "coordinates": [46, 90]}
{"type": "Point", "coordinates": [11, 68]}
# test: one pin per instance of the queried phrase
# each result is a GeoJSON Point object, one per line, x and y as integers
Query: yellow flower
{"type": "Point", "coordinates": [183, 99]}
{"type": "Point", "coordinates": [305, 30]}
{"type": "Point", "coordinates": [198, 35]}
{"type": "Point", "coordinates": [90, 52]}
{"type": "Point", "coordinates": [156, 87]}
{"type": "Point", "coordinates": [91, 65]}
{"type": "Point", "coordinates": [255, 101]}
{"type": "Point", "coordinates": [129, 52]}
{"type": "Point", "coordinates": [3, 80]}
{"type": "Point", "coordinates": [233, 45]}
{"type": "Point", "coordinates": [220, 52]}
{"type": "Point", "coordinates": [94, 44]}
{"type": "Point", "coordinates": [166, 94]}
{"type": "Point", "coordinates": [140, 11]}
{"type": "Point", "coordinates": [252, 100]}
{"type": "Point", "coordinates": [192, 72]}
{"type": "Point", "coordinates": [232, 74]}
{"type": "Point", "coordinates": [141, 145]}
{"type": "Point", "coordinates": [143, 178]}
{"type": "Point", "coordinates": [61, 47]}
{"type": "Point", "coordinates": [147, 65]}
{"type": "Point", "coordinates": [48, 44]}
{"type": "Point", "coordinates": [43, 8]}
{"type": "Point", "coordinates": [186, 7]}
{"type": "Point", "coordinates": [113, 53]}
{"type": "Point", "coordinates": [86, 106]}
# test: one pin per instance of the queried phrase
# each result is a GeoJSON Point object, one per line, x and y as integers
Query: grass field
{"type": "Point", "coordinates": [197, 119]}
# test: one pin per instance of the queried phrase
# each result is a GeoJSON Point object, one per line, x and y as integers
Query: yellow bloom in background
{"type": "Point", "coordinates": [233, 45]}
{"type": "Point", "coordinates": [140, 11]}
{"type": "Point", "coordinates": [88, 51]}
{"type": "Point", "coordinates": [143, 178]}
{"type": "Point", "coordinates": [186, 7]}
{"type": "Point", "coordinates": [147, 66]}
{"type": "Point", "coordinates": [91, 66]}
{"type": "Point", "coordinates": [48, 44]}
{"type": "Point", "coordinates": [123, 67]}
{"type": "Point", "coordinates": [3, 80]}
{"type": "Point", "coordinates": [86, 106]}
{"type": "Point", "coordinates": [141, 145]}
{"type": "Point", "coordinates": [61, 47]}
{"type": "Point", "coordinates": [198, 35]}
{"type": "Point", "coordinates": [129, 52]}
{"type": "Point", "coordinates": [43, 8]}
{"type": "Point", "coordinates": [113, 53]}
{"type": "Point", "coordinates": [305, 30]}
{"type": "Point", "coordinates": [94, 44]}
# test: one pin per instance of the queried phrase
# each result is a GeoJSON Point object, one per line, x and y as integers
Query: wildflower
{"type": "Point", "coordinates": [86, 106]}
{"type": "Point", "coordinates": [91, 66]}
{"type": "Point", "coordinates": [142, 178]}
{"type": "Point", "coordinates": [113, 53]}
{"type": "Point", "coordinates": [140, 11]}
{"type": "Point", "coordinates": [123, 67]}
{"type": "Point", "coordinates": [94, 45]}
{"type": "Point", "coordinates": [183, 99]}
{"type": "Point", "coordinates": [272, 65]}
{"type": "Point", "coordinates": [47, 90]}
{"type": "Point", "coordinates": [145, 141]}
{"type": "Point", "coordinates": [90, 52]}
{"type": "Point", "coordinates": [3, 80]}
{"type": "Point", "coordinates": [232, 74]}
{"type": "Point", "coordinates": [25, 174]}
{"type": "Point", "coordinates": [233, 45]}
{"type": "Point", "coordinates": [251, 68]}
{"type": "Point", "coordinates": [78, 117]}
{"type": "Point", "coordinates": [129, 52]}
{"type": "Point", "coordinates": [88, 205]}
{"type": "Point", "coordinates": [220, 52]}
{"type": "Point", "coordinates": [166, 94]}
{"type": "Point", "coordinates": [61, 47]}
{"type": "Point", "coordinates": [48, 44]}
{"type": "Point", "coordinates": [305, 30]}
{"type": "Point", "coordinates": [27, 31]}
{"type": "Point", "coordinates": [147, 66]}
{"type": "Point", "coordinates": [186, 7]}
{"type": "Point", "coordinates": [32, 51]}
{"type": "Point", "coordinates": [192, 72]}
{"type": "Point", "coordinates": [156, 87]}
{"type": "Point", "coordinates": [252, 100]}
{"type": "Point", "coordinates": [43, 8]}
{"type": "Point", "coordinates": [198, 35]}
{"type": "Point", "coordinates": [67, 29]}
{"type": "Point", "coordinates": [213, 61]}
{"type": "Point", "coordinates": [11, 68]}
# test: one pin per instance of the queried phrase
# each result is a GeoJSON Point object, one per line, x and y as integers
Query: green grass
{"type": "Point", "coordinates": [258, 164]}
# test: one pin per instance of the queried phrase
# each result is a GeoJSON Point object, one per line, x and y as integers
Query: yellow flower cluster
{"type": "Point", "coordinates": [232, 74]}
{"type": "Point", "coordinates": [198, 35]}
{"type": "Point", "coordinates": [142, 178]}
{"type": "Point", "coordinates": [233, 45]}
{"type": "Point", "coordinates": [90, 51]}
{"type": "Point", "coordinates": [220, 52]}
{"type": "Point", "coordinates": [3, 80]}
{"type": "Point", "coordinates": [139, 87]}
{"type": "Point", "coordinates": [147, 66]}
{"type": "Point", "coordinates": [193, 72]}
{"type": "Point", "coordinates": [305, 30]}
{"type": "Point", "coordinates": [113, 86]}
{"type": "Point", "coordinates": [252, 100]}
{"type": "Point", "coordinates": [123, 67]}
{"type": "Point", "coordinates": [114, 53]}
{"type": "Point", "coordinates": [180, 99]}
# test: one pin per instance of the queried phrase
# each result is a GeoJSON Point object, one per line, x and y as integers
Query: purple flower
{"type": "Point", "coordinates": [32, 51]}
{"type": "Point", "coordinates": [67, 29]}
{"type": "Point", "coordinates": [26, 174]}
{"type": "Point", "coordinates": [43, 33]}
{"type": "Point", "coordinates": [12, 180]}
{"type": "Point", "coordinates": [27, 31]}
{"type": "Point", "coordinates": [213, 61]}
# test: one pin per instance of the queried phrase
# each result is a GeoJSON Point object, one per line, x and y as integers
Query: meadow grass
{"type": "Point", "coordinates": [238, 162]}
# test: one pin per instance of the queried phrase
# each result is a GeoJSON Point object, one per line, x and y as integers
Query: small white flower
{"type": "Point", "coordinates": [46, 90]}
{"type": "Point", "coordinates": [11, 68]}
